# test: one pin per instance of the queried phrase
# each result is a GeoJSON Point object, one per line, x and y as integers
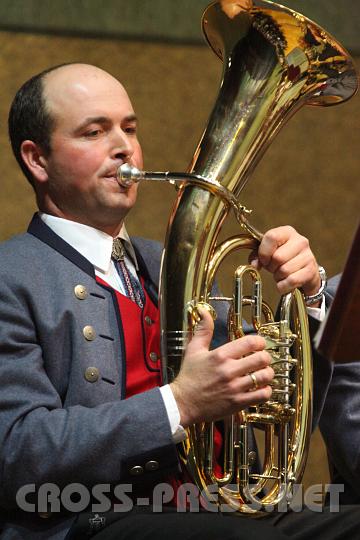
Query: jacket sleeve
{"type": "Point", "coordinates": [340, 419]}
{"type": "Point", "coordinates": [340, 424]}
{"type": "Point", "coordinates": [46, 437]}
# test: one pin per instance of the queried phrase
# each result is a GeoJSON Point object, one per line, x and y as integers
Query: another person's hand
{"type": "Point", "coordinates": [215, 384]}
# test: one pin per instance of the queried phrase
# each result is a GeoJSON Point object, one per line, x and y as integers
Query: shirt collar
{"type": "Point", "coordinates": [94, 245]}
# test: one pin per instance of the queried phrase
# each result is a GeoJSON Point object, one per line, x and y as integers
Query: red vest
{"type": "Point", "coordinates": [141, 334]}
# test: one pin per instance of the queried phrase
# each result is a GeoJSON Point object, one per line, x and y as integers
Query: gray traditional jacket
{"type": "Point", "coordinates": [60, 423]}
{"type": "Point", "coordinates": [57, 424]}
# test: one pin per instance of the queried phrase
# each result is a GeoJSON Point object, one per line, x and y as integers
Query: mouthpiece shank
{"type": "Point", "coordinates": [128, 175]}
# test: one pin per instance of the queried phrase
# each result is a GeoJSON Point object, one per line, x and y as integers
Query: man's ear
{"type": "Point", "coordinates": [35, 160]}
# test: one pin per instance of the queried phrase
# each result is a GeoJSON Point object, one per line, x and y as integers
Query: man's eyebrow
{"type": "Point", "coordinates": [131, 118]}
{"type": "Point", "coordinates": [103, 120]}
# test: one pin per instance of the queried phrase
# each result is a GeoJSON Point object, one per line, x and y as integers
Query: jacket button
{"type": "Point", "coordinates": [136, 471]}
{"type": "Point", "coordinates": [153, 356]}
{"type": "Point", "coordinates": [80, 292]}
{"type": "Point", "coordinates": [91, 374]}
{"type": "Point", "coordinates": [152, 466]}
{"type": "Point", "coordinates": [89, 333]}
{"type": "Point", "coordinates": [148, 320]}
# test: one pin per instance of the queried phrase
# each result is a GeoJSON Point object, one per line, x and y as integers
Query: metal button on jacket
{"type": "Point", "coordinates": [91, 374]}
{"type": "Point", "coordinates": [153, 356]}
{"type": "Point", "coordinates": [137, 470]}
{"type": "Point", "coordinates": [148, 320]}
{"type": "Point", "coordinates": [80, 292]}
{"type": "Point", "coordinates": [152, 466]}
{"type": "Point", "coordinates": [89, 333]}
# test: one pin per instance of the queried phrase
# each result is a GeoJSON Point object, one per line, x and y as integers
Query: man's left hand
{"type": "Point", "coordinates": [287, 255]}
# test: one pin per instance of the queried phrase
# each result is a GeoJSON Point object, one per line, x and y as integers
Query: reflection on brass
{"type": "Point", "coordinates": [274, 62]}
{"type": "Point", "coordinates": [233, 7]}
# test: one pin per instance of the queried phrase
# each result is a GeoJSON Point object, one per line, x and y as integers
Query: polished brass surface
{"type": "Point", "coordinates": [274, 61]}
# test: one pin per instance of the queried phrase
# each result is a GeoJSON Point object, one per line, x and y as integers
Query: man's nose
{"type": "Point", "coordinates": [122, 147]}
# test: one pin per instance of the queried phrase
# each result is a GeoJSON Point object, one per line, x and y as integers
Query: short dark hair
{"type": "Point", "coordinates": [30, 119]}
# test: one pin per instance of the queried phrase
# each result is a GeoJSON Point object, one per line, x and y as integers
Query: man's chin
{"type": "Point", "coordinates": [112, 184]}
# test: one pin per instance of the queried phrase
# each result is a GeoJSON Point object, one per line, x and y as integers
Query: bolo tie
{"type": "Point", "coordinates": [130, 283]}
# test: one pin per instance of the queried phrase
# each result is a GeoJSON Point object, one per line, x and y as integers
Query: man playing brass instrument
{"type": "Point", "coordinates": [80, 333]}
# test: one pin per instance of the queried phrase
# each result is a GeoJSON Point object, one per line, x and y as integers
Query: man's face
{"type": "Point", "coordinates": [95, 132]}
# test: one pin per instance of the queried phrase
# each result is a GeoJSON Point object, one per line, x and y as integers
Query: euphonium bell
{"type": "Point", "coordinates": [274, 61]}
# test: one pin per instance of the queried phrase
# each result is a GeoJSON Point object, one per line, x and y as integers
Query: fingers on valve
{"type": "Point", "coordinates": [259, 379]}
{"type": "Point", "coordinates": [254, 362]}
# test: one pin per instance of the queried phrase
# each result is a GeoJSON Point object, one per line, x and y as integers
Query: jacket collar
{"type": "Point", "coordinates": [38, 228]}
{"type": "Point", "coordinates": [41, 231]}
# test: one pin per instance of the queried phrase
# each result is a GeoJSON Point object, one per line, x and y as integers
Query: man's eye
{"type": "Point", "coordinates": [93, 133]}
{"type": "Point", "coordinates": [131, 130]}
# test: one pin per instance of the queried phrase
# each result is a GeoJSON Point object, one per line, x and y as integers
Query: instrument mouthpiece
{"type": "Point", "coordinates": [128, 175]}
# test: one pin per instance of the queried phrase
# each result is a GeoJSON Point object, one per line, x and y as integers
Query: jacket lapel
{"type": "Point", "coordinates": [38, 228]}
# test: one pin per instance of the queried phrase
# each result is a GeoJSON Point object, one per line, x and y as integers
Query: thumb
{"type": "Point", "coordinates": [203, 332]}
{"type": "Point", "coordinates": [254, 260]}
{"type": "Point", "coordinates": [255, 263]}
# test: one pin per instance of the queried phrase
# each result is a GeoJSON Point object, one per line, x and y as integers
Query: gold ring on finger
{"type": "Point", "coordinates": [255, 385]}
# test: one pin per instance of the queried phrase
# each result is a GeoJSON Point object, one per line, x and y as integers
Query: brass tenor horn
{"type": "Point", "coordinates": [274, 61]}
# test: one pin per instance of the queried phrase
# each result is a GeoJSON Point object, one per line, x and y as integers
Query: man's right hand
{"type": "Point", "coordinates": [214, 384]}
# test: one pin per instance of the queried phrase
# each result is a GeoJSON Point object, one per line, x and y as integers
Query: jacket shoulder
{"type": "Point", "coordinates": [25, 259]}
{"type": "Point", "coordinates": [148, 248]}
{"type": "Point", "coordinates": [17, 249]}
{"type": "Point", "coordinates": [150, 252]}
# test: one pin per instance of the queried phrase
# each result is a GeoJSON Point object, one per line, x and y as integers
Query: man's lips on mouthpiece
{"type": "Point", "coordinates": [112, 174]}
{"type": "Point", "coordinates": [115, 174]}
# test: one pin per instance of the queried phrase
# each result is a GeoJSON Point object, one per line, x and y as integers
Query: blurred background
{"type": "Point", "coordinates": [309, 177]}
